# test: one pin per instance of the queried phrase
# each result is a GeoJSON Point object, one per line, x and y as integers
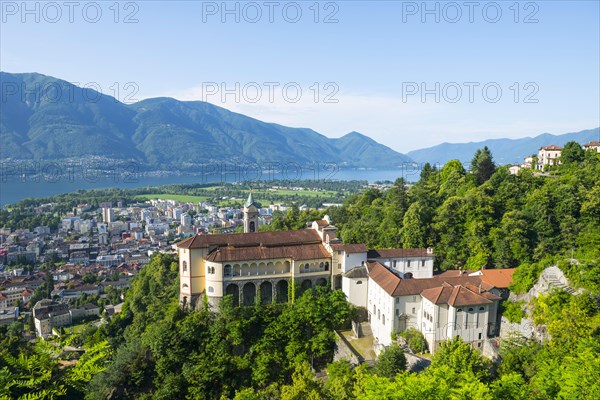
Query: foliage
{"type": "Point", "coordinates": [415, 340]}
{"type": "Point", "coordinates": [513, 310]}
{"type": "Point", "coordinates": [390, 362]}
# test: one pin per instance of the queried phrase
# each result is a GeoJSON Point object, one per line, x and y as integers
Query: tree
{"type": "Point", "coordinates": [340, 380]}
{"type": "Point", "coordinates": [459, 357]}
{"type": "Point", "coordinates": [572, 153]}
{"type": "Point", "coordinates": [390, 362]}
{"type": "Point", "coordinates": [304, 385]}
{"type": "Point", "coordinates": [15, 329]}
{"type": "Point", "coordinates": [415, 227]}
{"type": "Point", "coordinates": [482, 165]}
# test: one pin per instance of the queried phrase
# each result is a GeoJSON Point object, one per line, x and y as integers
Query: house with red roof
{"type": "Point", "coordinates": [453, 304]}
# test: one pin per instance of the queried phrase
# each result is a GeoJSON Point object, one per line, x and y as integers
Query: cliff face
{"type": "Point", "coordinates": [550, 278]}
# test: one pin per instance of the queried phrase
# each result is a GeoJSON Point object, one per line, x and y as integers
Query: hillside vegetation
{"type": "Point", "coordinates": [156, 350]}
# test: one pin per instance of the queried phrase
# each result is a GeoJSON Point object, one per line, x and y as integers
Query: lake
{"type": "Point", "coordinates": [15, 188]}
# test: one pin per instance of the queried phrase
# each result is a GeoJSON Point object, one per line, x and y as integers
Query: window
{"type": "Point", "coordinates": [374, 309]}
{"type": "Point", "coordinates": [378, 314]}
{"type": "Point", "coordinates": [471, 309]}
{"type": "Point", "coordinates": [397, 312]}
{"type": "Point", "coordinates": [184, 286]}
{"type": "Point", "coordinates": [211, 289]}
{"type": "Point", "coordinates": [359, 283]}
{"type": "Point", "coordinates": [322, 266]}
{"type": "Point", "coordinates": [394, 264]}
{"type": "Point", "coordinates": [481, 308]}
{"type": "Point", "coordinates": [326, 266]}
{"type": "Point", "coordinates": [422, 263]}
{"type": "Point", "coordinates": [306, 267]}
{"type": "Point", "coordinates": [339, 265]}
{"type": "Point", "coordinates": [227, 271]}
{"type": "Point", "coordinates": [383, 319]}
{"type": "Point", "coordinates": [184, 265]}
{"type": "Point", "coordinates": [414, 310]}
{"type": "Point", "coordinates": [479, 335]}
{"type": "Point", "coordinates": [414, 298]}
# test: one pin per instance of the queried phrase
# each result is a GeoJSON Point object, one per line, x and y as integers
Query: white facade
{"type": "Point", "coordinates": [438, 309]}
{"type": "Point", "coordinates": [549, 155]}
{"type": "Point", "coordinates": [108, 215]}
{"type": "Point", "coordinates": [381, 315]}
{"type": "Point", "coordinates": [355, 287]}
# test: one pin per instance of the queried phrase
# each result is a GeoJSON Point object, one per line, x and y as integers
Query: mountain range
{"type": "Point", "coordinates": [504, 151]}
{"type": "Point", "coordinates": [45, 118]}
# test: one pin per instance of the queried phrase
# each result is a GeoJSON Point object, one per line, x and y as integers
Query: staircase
{"type": "Point", "coordinates": [365, 329]}
{"type": "Point", "coordinates": [554, 281]}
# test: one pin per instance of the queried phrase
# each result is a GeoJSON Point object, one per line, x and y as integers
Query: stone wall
{"type": "Point", "coordinates": [343, 351]}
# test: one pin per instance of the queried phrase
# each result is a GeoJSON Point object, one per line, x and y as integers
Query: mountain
{"type": "Point", "coordinates": [504, 151]}
{"type": "Point", "coordinates": [45, 118]}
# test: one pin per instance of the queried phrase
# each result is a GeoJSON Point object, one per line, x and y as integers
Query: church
{"type": "Point", "coordinates": [396, 286]}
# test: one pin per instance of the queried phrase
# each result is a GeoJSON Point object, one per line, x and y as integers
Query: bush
{"type": "Point", "coordinates": [513, 311]}
{"type": "Point", "coordinates": [390, 362]}
{"type": "Point", "coordinates": [415, 340]}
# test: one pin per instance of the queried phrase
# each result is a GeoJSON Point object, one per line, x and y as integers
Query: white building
{"type": "Point", "coordinates": [108, 215]}
{"type": "Point", "coordinates": [186, 220]}
{"type": "Point", "coordinates": [441, 307]}
{"type": "Point", "coordinates": [48, 314]}
{"type": "Point", "coordinates": [592, 146]}
{"type": "Point", "coordinates": [548, 156]}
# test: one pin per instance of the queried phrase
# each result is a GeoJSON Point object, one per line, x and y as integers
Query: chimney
{"type": "Point", "coordinates": [429, 250]}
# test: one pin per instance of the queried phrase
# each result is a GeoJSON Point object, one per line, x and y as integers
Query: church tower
{"type": "Point", "coordinates": [251, 215]}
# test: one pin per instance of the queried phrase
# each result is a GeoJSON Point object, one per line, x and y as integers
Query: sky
{"type": "Point", "coordinates": [408, 74]}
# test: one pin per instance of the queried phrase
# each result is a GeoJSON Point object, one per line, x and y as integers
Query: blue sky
{"type": "Point", "coordinates": [375, 61]}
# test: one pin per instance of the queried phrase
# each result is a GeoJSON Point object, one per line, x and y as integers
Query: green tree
{"type": "Point", "coordinates": [304, 385]}
{"type": "Point", "coordinates": [460, 357]}
{"type": "Point", "coordinates": [390, 362]}
{"type": "Point", "coordinates": [572, 153]}
{"type": "Point", "coordinates": [482, 165]}
{"type": "Point", "coordinates": [340, 380]}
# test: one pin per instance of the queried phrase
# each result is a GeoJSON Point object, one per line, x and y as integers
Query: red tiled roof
{"type": "Point", "coordinates": [303, 236]}
{"type": "Point", "coordinates": [461, 296]}
{"type": "Point", "coordinates": [592, 144]}
{"type": "Point", "coordinates": [295, 252]}
{"type": "Point", "coordinates": [398, 253]}
{"type": "Point", "coordinates": [438, 289]}
{"type": "Point", "coordinates": [551, 147]}
{"type": "Point", "coordinates": [350, 248]}
{"type": "Point", "coordinates": [500, 278]}
{"type": "Point", "coordinates": [385, 278]}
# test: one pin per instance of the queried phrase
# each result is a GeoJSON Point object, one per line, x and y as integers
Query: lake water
{"type": "Point", "coordinates": [15, 188]}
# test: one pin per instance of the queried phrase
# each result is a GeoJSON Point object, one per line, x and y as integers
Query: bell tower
{"type": "Point", "coordinates": [251, 215]}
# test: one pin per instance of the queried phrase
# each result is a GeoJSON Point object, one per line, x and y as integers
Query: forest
{"type": "Point", "coordinates": [483, 216]}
